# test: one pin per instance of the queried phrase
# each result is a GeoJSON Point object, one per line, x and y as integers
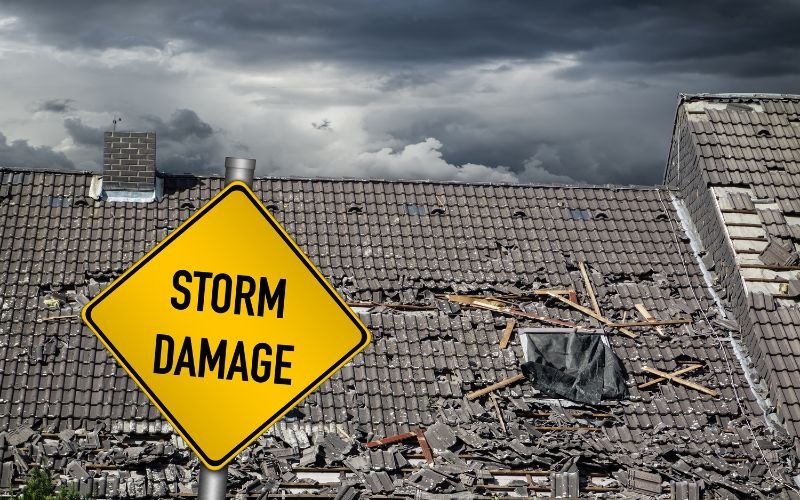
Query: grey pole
{"type": "Point", "coordinates": [212, 483]}
{"type": "Point", "coordinates": [239, 169]}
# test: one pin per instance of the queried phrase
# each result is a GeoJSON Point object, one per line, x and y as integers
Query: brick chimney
{"type": "Point", "coordinates": [129, 166]}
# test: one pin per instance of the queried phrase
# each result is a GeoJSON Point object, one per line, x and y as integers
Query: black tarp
{"type": "Point", "coordinates": [575, 366]}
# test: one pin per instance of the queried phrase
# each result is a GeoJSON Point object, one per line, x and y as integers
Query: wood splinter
{"type": "Point", "coordinates": [682, 371]}
{"type": "Point", "coordinates": [419, 434]}
{"type": "Point", "coordinates": [499, 385]}
{"type": "Point", "coordinates": [507, 333]}
{"type": "Point", "coordinates": [648, 317]}
{"type": "Point", "coordinates": [592, 314]}
{"type": "Point", "coordinates": [499, 413]}
{"type": "Point", "coordinates": [675, 378]}
{"type": "Point", "coordinates": [587, 283]}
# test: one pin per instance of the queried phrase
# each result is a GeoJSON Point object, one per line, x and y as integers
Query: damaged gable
{"type": "Point", "coordinates": [736, 160]}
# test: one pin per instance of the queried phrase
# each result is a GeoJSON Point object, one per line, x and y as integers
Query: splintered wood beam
{"type": "Point", "coordinates": [391, 439]}
{"type": "Point", "coordinates": [498, 385]}
{"type": "Point", "coordinates": [560, 291]}
{"type": "Point", "coordinates": [499, 413]}
{"type": "Point", "coordinates": [503, 307]}
{"type": "Point", "coordinates": [682, 371]}
{"type": "Point", "coordinates": [592, 314]}
{"type": "Point", "coordinates": [648, 317]}
{"type": "Point", "coordinates": [507, 333]}
{"type": "Point", "coordinates": [423, 443]}
{"type": "Point", "coordinates": [589, 289]}
{"type": "Point", "coordinates": [522, 314]}
{"type": "Point", "coordinates": [56, 318]}
{"type": "Point", "coordinates": [682, 381]}
{"type": "Point", "coordinates": [665, 322]}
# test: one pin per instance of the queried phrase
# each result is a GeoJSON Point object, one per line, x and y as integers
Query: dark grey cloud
{"type": "Point", "coordinates": [185, 142]}
{"type": "Point", "coordinates": [735, 38]}
{"type": "Point", "coordinates": [20, 153]}
{"type": "Point", "coordinates": [82, 134]}
{"type": "Point", "coordinates": [182, 125]}
{"type": "Point", "coordinates": [603, 115]}
{"type": "Point", "coordinates": [58, 106]}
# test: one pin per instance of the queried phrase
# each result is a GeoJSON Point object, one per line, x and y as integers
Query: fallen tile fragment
{"type": "Point", "coordinates": [379, 482]}
{"type": "Point", "coordinates": [643, 481]}
{"type": "Point", "coordinates": [346, 492]}
{"type": "Point", "coordinates": [441, 437]}
{"type": "Point", "coordinates": [76, 471]}
{"type": "Point", "coordinates": [19, 435]}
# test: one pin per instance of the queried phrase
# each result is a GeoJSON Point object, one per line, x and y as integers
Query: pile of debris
{"type": "Point", "coordinates": [539, 391]}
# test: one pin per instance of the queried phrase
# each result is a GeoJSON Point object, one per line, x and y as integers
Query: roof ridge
{"type": "Point", "coordinates": [637, 187]}
{"type": "Point", "coordinates": [684, 96]}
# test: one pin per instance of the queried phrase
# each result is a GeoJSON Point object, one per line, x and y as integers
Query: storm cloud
{"type": "Point", "coordinates": [505, 90]}
{"type": "Point", "coordinates": [58, 106]}
{"type": "Point", "coordinates": [19, 153]}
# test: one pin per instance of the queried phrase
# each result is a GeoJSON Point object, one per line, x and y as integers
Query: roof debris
{"type": "Point", "coordinates": [675, 378]}
{"type": "Point", "coordinates": [507, 333]}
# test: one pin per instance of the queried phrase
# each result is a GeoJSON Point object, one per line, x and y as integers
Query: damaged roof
{"type": "Point", "coordinates": [396, 251]}
{"type": "Point", "coordinates": [736, 160]}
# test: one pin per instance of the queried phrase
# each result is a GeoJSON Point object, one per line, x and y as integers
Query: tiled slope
{"type": "Point", "coordinates": [399, 242]}
{"type": "Point", "coordinates": [743, 153]}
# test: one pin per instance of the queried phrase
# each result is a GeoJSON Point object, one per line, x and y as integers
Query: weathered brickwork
{"type": "Point", "coordinates": [129, 161]}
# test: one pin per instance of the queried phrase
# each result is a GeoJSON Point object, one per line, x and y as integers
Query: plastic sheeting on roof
{"type": "Point", "coordinates": [576, 366]}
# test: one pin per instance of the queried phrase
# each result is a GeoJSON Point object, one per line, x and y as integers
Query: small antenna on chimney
{"type": "Point", "coordinates": [114, 121]}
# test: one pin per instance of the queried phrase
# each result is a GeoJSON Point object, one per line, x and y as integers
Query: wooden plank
{"type": "Point", "coordinates": [560, 291]}
{"type": "Point", "coordinates": [648, 317]}
{"type": "Point", "coordinates": [507, 333]}
{"type": "Point", "coordinates": [665, 322]}
{"type": "Point", "coordinates": [658, 380]}
{"type": "Point", "coordinates": [498, 385]}
{"type": "Point", "coordinates": [494, 304]}
{"type": "Point", "coordinates": [499, 413]}
{"type": "Point", "coordinates": [589, 289]}
{"type": "Point", "coordinates": [682, 381]}
{"type": "Point", "coordinates": [56, 318]}
{"type": "Point", "coordinates": [423, 443]}
{"type": "Point", "coordinates": [592, 314]}
{"type": "Point", "coordinates": [391, 439]}
{"type": "Point", "coordinates": [767, 280]}
{"type": "Point", "coordinates": [522, 314]}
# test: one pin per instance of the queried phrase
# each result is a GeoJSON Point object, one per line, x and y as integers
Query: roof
{"type": "Point", "coordinates": [393, 249]}
{"type": "Point", "coordinates": [746, 152]}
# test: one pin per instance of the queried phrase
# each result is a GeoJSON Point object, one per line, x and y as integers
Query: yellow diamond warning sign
{"type": "Point", "coordinates": [226, 325]}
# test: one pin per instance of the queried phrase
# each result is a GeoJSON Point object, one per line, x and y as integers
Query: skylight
{"type": "Point", "coordinates": [579, 214]}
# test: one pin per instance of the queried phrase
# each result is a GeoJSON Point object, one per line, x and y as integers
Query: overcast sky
{"type": "Point", "coordinates": [458, 90]}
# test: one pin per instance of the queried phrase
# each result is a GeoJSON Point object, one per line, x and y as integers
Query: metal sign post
{"type": "Point", "coordinates": [212, 483]}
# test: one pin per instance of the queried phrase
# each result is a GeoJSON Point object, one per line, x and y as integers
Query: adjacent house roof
{"type": "Point", "coordinates": [395, 251]}
{"type": "Point", "coordinates": [736, 160]}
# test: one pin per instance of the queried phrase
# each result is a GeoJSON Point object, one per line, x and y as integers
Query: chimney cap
{"type": "Point", "coordinates": [239, 169]}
